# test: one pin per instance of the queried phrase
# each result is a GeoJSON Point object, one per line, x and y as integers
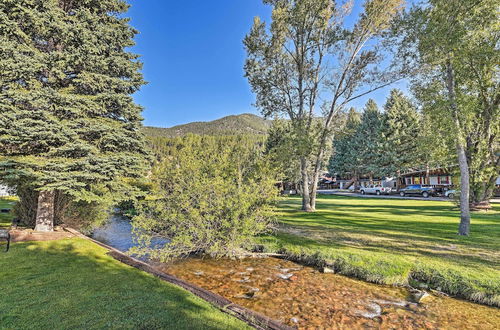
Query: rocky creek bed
{"type": "Point", "coordinates": [304, 297]}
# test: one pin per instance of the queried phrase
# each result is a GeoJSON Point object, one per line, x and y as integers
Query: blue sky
{"type": "Point", "coordinates": [193, 58]}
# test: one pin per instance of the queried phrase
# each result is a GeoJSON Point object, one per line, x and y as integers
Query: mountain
{"type": "Point", "coordinates": [246, 123]}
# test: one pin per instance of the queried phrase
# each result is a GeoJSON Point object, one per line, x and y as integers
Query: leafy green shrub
{"type": "Point", "coordinates": [211, 194]}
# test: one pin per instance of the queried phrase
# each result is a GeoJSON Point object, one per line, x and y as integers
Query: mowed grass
{"type": "Point", "coordinates": [73, 284]}
{"type": "Point", "coordinates": [6, 218]}
{"type": "Point", "coordinates": [398, 242]}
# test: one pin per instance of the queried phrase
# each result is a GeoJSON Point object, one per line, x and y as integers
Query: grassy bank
{"type": "Point", "coordinates": [396, 242]}
{"type": "Point", "coordinates": [73, 284]}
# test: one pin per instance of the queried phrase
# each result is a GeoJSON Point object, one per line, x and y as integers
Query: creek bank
{"type": "Point", "coordinates": [301, 296]}
{"type": "Point", "coordinates": [418, 276]}
{"type": "Point", "coordinates": [252, 318]}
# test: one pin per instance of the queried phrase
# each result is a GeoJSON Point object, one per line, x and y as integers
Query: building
{"type": "Point", "coordinates": [339, 182]}
{"type": "Point", "coordinates": [439, 177]}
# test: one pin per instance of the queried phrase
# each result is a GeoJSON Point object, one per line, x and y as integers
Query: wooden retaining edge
{"type": "Point", "coordinates": [246, 315]}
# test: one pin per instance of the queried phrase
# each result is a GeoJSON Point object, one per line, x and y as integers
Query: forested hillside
{"type": "Point", "coordinates": [238, 124]}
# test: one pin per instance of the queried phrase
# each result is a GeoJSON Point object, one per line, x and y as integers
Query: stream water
{"type": "Point", "coordinates": [117, 232]}
{"type": "Point", "coordinates": [303, 297]}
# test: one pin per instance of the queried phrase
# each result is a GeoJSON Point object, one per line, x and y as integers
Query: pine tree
{"type": "Point", "coordinates": [67, 118]}
{"type": "Point", "coordinates": [400, 135]}
{"type": "Point", "coordinates": [369, 139]}
{"type": "Point", "coordinates": [345, 158]}
{"type": "Point", "coordinates": [357, 150]}
{"type": "Point", "coordinates": [280, 147]}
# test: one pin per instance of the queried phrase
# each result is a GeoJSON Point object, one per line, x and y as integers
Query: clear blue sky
{"type": "Point", "coordinates": [193, 58]}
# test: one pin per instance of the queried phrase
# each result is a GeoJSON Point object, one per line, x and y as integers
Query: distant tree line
{"type": "Point", "coordinates": [230, 125]}
{"type": "Point", "coordinates": [381, 144]}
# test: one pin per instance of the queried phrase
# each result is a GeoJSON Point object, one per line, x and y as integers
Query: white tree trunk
{"type": "Point", "coordinates": [314, 191]}
{"type": "Point", "coordinates": [463, 228]}
{"type": "Point", "coordinates": [306, 197]}
{"type": "Point", "coordinates": [45, 211]}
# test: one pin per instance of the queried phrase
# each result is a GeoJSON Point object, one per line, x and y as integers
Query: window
{"type": "Point", "coordinates": [445, 180]}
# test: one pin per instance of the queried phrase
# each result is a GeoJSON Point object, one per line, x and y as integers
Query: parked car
{"type": "Point", "coordinates": [418, 189]}
{"type": "Point", "coordinates": [375, 189]}
{"type": "Point", "coordinates": [451, 193]}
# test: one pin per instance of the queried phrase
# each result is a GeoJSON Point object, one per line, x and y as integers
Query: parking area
{"type": "Point", "coordinates": [392, 196]}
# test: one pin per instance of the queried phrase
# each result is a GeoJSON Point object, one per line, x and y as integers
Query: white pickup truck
{"type": "Point", "coordinates": [374, 189]}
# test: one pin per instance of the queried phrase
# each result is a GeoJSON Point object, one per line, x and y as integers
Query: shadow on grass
{"type": "Point", "coordinates": [406, 228]}
{"type": "Point", "coordinates": [398, 244]}
{"type": "Point", "coordinates": [72, 283]}
{"type": "Point", "coordinates": [431, 222]}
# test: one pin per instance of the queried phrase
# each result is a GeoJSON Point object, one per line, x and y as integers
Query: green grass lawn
{"type": "Point", "coordinates": [397, 242]}
{"type": "Point", "coordinates": [6, 218]}
{"type": "Point", "coordinates": [73, 284]}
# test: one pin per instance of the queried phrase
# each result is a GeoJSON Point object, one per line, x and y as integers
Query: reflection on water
{"type": "Point", "coordinates": [303, 297]}
{"type": "Point", "coordinates": [116, 233]}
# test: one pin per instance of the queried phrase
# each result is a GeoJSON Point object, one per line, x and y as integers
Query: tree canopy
{"type": "Point", "coordinates": [452, 47]}
{"type": "Point", "coordinates": [67, 119]}
{"type": "Point", "coordinates": [310, 64]}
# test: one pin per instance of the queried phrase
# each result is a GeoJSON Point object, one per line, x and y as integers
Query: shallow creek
{"type": "Point", "coordinates": [303, 297]}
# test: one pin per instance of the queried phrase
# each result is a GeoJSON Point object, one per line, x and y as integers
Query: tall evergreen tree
{"type": "Point", "coordinates": [357, 151]}
{"type": "Point", "coordinates": [369, 139]}
{"type": "Point", "coordinates": [67, 118]}
{"type": "Point", "coordinates": [400, 135]}
{"type": "Point", "coordinates": [345, 158]}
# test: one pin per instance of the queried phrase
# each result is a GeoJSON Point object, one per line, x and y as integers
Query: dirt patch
{"type": "Point", "coordinates": [24, 235]}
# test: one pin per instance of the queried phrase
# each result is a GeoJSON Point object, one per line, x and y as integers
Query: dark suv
{"type": "Point", "coordinates": [418, 189]}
